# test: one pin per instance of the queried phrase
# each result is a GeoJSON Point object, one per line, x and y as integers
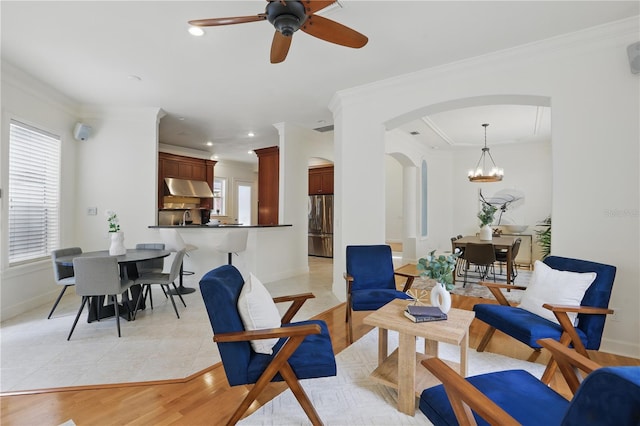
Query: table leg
{"type": "Point", "coordinates": [407, 374]}
{"type": "Point", "coordinates": [464, 350]}
{"type": "Point", "coordinates": [431, 347]}
{"type": "Point", "coordinates": [383, 347]}
{"type": "Point", "coordinates": [509, 265]}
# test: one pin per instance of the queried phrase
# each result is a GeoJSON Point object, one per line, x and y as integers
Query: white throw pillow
{"type": "Point", "coordinates": [258, 311]}
{"type": "Point", "coordinates": [555, 287]}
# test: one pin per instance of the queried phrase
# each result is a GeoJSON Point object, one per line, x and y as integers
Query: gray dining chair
{"type": "Point", "coordinates": [151, 265]}
{"type": "Point", "coordinates": [146, 279]}
{"type": "Point", "coordinates": [99, 276]}
{"type": "Point", "coordinates": [62, 274]}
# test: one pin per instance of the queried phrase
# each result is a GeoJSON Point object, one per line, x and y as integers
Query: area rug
{"type": "Point", "coordinates": [474, 289]}
{"type": "Point", "coordinates": [351, 398]}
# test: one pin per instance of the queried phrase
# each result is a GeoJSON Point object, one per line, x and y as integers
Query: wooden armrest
{"type": "Point", "coordinates": [567, 359]}
{"type": "Point", "coordinates": [495, 289]}
{"type": "Point", "coordinates": [347, 277]}
{"type": "Point", "coordinates": [561, 352]}
{"type": "Point", "coordinates": [293, 297]}
{"type": "Point", "coordinates": [297, 299]}
{"type": "Point", "coordinates": [497, 285]}
{"type": "Point", "coordinates": [464, 397]}
{"type": "Point", "coordinates": [268, 333]}
{"type": "Point", "coordinates": [578, 309]}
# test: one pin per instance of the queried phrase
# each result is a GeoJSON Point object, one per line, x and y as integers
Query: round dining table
{"type": "Point", "coordinates": [128, 270]}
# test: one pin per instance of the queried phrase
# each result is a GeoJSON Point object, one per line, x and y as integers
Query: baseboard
{"type": "Point", "coordinates": [619, 347]}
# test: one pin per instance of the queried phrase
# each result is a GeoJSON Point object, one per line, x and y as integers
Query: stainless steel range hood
{"type": "Point", "coordinates": [188, 188]}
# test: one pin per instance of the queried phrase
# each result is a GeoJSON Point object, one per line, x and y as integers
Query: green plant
{"type": "Point", "coordinates": [487, 213]}
{"type": "Point", "coordinates": [543, 236]}
{"type": "Point", "coordinates": [439, 268]}
{"type": "Point", "coordinates": [114, 222]}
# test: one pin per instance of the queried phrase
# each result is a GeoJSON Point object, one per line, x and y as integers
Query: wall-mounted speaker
{"type": "Point", "coordinates": [81, 131]}
{"type": "Point", "coordinates": [633, 50]}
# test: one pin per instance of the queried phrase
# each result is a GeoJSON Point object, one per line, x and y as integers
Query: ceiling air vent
{"type": "Point", "coordinates": [414, 133]}
{"type": "Point", "coordinates": [323, 129]}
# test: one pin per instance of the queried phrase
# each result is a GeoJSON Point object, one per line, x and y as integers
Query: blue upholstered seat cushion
{"type": "Point", "coordinates": [372, 299]}
{"type": "Point", "coordinates": [520, 394]}
{"type": "Point", "coordinates": [520, 324]}
{"type": "Point", "coordinates": [313, 358]}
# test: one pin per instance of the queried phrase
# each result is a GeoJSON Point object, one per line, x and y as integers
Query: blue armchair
{"type": "Point", "coordinates": [528, 327]}
{"type": "Point", "coordinates": [370, 280]}
{"type": "Point", "coordinates": [303, 351]}
{"type": "Point", "coordinates": [607, 396]}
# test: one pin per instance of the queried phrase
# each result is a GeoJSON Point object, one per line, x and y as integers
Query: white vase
{"type": "Point", "coordinates": [486, 233]}
{"type": "Point", "coordinates": [440, 297]}
{"type": "Point", "coordinates": [117, 247]}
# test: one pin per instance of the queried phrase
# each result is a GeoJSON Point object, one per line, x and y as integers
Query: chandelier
{"type": "Point", "coordinates": [478, 174]}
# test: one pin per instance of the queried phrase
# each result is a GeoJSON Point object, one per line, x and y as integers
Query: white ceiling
{"type": "Point", "coordinates": [223, 86]}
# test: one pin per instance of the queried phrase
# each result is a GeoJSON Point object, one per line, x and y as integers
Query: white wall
{"type": "Point", "coordinates": [595, 150]}
{"type": "Point", "coordinates": [31, 102]}
{"type": "Point", "coordinates": [393, 200]}
{"type": "Point", "coordinates": [117, 170]}
{"type": "Point", "coordinates": [528, 168]}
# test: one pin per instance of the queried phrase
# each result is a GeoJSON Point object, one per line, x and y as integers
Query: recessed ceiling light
{"type": "Point", "coordinates": [209, 143]}
{"type": "Point", "coordinates": [251, 134]}
{"type": "Point", "coordinates": [215, 157]}
{"type": "Point", "coordinates": [196, 31]}
{"type": "Point", "coordinates": [181, 118]}
{"type": "Point", "coordinates": [249, 152]}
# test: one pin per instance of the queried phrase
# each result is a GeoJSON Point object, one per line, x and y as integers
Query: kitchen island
{"type": "Point", "coordinates": [270, 253]}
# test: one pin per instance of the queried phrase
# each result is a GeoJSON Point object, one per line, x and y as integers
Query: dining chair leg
{"type": "Point", "coordinates": [171, 297]}
{"type": "Point", "coordinates": [84, 301]}
{"type": "Point", "coordinates": [466, 270]}
{"type": "Point", "coordinates": [116, 308]}
{"type": "Point", "coordinates": [151, 295]}
{"type": "Point", "coordinates": [57, 301]}
{"type": "Point", "coordinates": [177, 292]}
{"type": "Point", "coordinates": [138, 300]}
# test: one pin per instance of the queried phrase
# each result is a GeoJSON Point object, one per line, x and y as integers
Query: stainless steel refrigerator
{"type": "Point", "coordinates": [321, 225]}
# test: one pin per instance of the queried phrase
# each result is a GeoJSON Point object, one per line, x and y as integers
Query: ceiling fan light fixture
{"type": "Point", "coordinates": [196, 31]}
{"type": "Point", "coordinates": [478, 173]}
{"type": "Point", "coordinates": [286, 18]}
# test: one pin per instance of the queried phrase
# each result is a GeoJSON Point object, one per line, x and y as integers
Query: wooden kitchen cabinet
{"type": "Point", "coordinates": [181, 167]}
{"type": "Point", "coordinates": [321, 180]}
{"type": "Point", "coordinates": [268, 183]}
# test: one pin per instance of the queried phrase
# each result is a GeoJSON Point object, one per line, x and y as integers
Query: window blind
{"type": "Point", "coordinates": [34, 181]}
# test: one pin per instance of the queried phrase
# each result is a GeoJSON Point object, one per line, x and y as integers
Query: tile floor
{"type": "Point", "coordinates": [35, 353]}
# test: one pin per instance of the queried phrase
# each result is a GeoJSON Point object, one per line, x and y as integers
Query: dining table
{"type": "Point", "coordinates": [499, 243]}
{"type": "Point", "coordinates": [128, 270]}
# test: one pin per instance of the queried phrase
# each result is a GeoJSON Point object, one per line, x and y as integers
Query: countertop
{"type": "Point", "coordinates": [217, 226]}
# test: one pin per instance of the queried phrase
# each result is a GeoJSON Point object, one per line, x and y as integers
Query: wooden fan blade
{"type": "Point", "coordinates": [312, 6]}
{"type": "Point", "coordinates": [280, 47]}
{"type": "Point", "coordinates": [333, 32]}
{"type": "Point", "coordinates": [227, 21]}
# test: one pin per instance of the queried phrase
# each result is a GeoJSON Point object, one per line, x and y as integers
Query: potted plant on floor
{"type": "Point", "coordinates": [440, 268]}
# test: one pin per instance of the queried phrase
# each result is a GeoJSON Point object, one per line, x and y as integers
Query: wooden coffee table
{"type": "Point", "coordinates": [402, 370]}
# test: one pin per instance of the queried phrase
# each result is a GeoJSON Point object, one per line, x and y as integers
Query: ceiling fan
{"type": "Point", "coordinates": [289, 16]}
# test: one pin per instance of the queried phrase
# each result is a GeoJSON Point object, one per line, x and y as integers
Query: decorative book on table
{"type": "Point", "coordinates": [424, 313]}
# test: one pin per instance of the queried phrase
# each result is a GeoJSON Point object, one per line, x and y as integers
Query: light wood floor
{"type": "Point", "coordinates": [206, 398]}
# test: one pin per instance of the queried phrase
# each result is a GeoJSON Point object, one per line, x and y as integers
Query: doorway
{"type": "Point", "coordinates": [244, 195]}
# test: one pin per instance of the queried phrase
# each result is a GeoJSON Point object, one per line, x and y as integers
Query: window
{"type": "Point", "coordinates": [34, 183]}
{"type": "Point", "coordinates": [219, 196]}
